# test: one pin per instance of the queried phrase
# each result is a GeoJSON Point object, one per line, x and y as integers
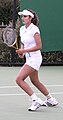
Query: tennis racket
{"type": "Point", "coordinates": [10, 38]}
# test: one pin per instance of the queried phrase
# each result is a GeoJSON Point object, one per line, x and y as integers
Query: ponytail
{"type": "Point", "coordinates": [35, 19]}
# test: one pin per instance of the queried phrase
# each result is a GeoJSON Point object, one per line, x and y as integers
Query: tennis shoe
{"type": "Point", "coordinates": [51, 102]}
{"type": "Point", "coordinates": [36, 104]}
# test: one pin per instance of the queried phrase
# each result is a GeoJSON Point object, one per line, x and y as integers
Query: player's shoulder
{"type": "Point", "coordinates": [35, 29]}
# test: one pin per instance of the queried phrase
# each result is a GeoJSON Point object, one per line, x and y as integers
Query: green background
{"type": "Point", "coordinates": [50, 13]}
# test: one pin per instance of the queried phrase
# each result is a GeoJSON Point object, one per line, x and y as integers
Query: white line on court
{"type": "Point", "coordinates": [3, 87]}
{"type": "Point", "coordinates": [24, 94]}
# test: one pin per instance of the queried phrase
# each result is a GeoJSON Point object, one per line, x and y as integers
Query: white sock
{"type": "Point", "coordinates": [33, 97]}
{"type": "Point", "coordinates": [49, 96]}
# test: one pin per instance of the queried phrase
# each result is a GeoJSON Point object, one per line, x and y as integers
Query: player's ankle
{"type": "Point", "coordinates": [33, 97]}
{"type": "Point", "coordinates": [49, 96]}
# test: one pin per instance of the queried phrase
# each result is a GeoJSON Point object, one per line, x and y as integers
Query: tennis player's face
{"type": "Point", "coordinates": [26, 19]}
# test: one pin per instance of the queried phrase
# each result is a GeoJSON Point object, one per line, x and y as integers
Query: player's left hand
{"type": "Point", "coordinates": [20, 51]}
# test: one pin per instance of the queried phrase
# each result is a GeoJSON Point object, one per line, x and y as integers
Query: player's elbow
{"type": "Point", "coordinates": [40, 46]}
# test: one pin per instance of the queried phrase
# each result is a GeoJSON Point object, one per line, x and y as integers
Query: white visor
{"type": "Point", "coordinates": [26, 12]}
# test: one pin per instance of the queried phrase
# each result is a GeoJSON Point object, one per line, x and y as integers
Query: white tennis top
{"type": "Point", "coordinates": [34, 58]}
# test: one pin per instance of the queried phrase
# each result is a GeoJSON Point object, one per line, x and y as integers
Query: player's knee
{"type": "Point", "coordinates": [18, 80]}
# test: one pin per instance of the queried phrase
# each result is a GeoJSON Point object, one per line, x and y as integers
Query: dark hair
{"type": "Point", "coordinates": [35, 19]}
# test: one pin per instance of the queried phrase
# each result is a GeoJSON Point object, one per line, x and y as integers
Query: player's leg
{"type": "Point", "coordinates": [24, 72]}
{"type": "Point", "coordinates": [35, 80]}
{"type": "Point", "coordinates": [36, 103]}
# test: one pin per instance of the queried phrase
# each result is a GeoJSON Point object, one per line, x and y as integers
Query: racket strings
{"type": "Point", "coordinates": [10, 38]}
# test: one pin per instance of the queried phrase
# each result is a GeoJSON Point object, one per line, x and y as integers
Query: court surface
{"type": "Point", "coordinates": [14, 102]}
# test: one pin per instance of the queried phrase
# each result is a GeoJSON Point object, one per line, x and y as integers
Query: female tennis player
{"type": "Point", "coordinates": [30, 47]}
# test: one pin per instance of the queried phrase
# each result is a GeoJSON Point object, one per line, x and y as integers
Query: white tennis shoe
{"type": "Point", "coordinates": [36, 104]}
{"type": "Point", "coordinates": [51, 102]}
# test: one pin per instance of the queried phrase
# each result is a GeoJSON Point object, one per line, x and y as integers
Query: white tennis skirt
{"type": "Point", "coordinates": [34, 62]}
